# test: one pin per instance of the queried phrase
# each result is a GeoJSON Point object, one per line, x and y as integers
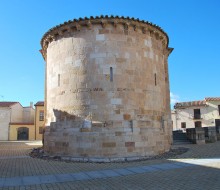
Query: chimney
{"type": "Point", "coordinates": [31, 104]}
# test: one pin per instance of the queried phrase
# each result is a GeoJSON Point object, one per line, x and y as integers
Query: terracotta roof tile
{"type": "Point", "coordinates": [180, 105]}
{"type": "Point", "coordinates": [212, 98]}
{"type": "Point", "coordinates": [190, 104]}
{"type": "Point", "coordinates": [7, 104]}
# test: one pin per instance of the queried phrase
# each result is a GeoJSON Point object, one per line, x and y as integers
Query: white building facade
{"type": "Point", "coordinates": [204, 113]}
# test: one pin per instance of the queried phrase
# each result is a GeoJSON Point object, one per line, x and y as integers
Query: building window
{"type": "Point", "coordinates": [197, 114]}
{"type": "Point", "coordinates": [155, 79]}
{"type": "Point", "coordinates": [219, 109]}
{"type": "Point", "coordinates": [41, 116]}
{"type": "Point", "coordinates": [41, 130]}
{"type": "Point", "coordinates": [183, 125]}
{"type": "Point", "coordinates": [111, 74]}
{"type": "Point", "coordinates": [198, 124]}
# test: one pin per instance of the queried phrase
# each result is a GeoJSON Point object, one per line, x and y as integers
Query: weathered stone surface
{"type": "Point", "coordinates": [127, 116]}
{"type": "Point", "coordinates": [130, 144]}
{"type": "Point", "coordinates": [118, 133]}
{"type": "Point", "coordinates": [114, 74]}
{"type": "Point", "coordinates": [108, 144]}
{"type": "Point", "coordinates": [85, 130]}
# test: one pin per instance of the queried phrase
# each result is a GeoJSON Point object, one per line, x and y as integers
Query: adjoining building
{"type": "Point", "coordinates": [18, 122]}
{"type": "Point", "coordinates": [39, 120]}
{"type": "Point", "coordinates": [203, 113]}
{"type": "Point", "coordinates": [9, 112]}
{"type": "Point", "coordinates": [107, 89]}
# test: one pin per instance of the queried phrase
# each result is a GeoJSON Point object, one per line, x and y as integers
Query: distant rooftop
{"type": "Point", "coordinates": [40, 103]}
{"type": "Point", "coordinates": [7, 104]}
{"type": "Point", "coordinates": [190, 104]}
{"type": "Point", "coordinates": [21, 123]}
{"type": "Point", "coordinates": [180, 105]}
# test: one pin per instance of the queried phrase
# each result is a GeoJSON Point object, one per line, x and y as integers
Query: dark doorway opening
{"type": "Point", "coordinates": [197, 114]}
{"type": "Point", "coordinates": [198, 124]}
{"type": "Point", "coordinates": [217, 125]}
{"type": "Point", "coordinates": [23, 133]}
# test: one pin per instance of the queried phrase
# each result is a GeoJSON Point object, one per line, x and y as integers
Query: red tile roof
{"type": "Point", "coordinates": [7, 104]}
{"type": "Point", "coordinates": [180, 105]}
{"type": "Point", "coordinates": [40, 103]}
{"type": "Point", "coordinates": [189, 104]}
{"type": "Point", "coordinates": [212, 98]}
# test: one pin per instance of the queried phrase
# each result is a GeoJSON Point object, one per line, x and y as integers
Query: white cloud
{"type": "Point", "coordinates": [174, 98]}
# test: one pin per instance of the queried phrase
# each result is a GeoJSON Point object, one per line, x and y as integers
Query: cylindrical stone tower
{"type": "Point", "coordinates": [107, 89]}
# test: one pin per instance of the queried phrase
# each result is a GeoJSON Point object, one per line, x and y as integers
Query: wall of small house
{"type": "Point", "coordinates": [4, 123]}
{"type": "Point", "coordinates": [208, 115]}
{"type": "Point", "coordinates": [16, 113]}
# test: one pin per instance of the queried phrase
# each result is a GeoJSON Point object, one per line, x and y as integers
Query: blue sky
{"type": "Point", "coordinates": [193, 27]}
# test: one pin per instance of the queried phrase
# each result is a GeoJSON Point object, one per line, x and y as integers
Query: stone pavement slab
{"type": "Point", "coordinates": [14, 181]}
{"type": "Point", "coordinates": [12, 157]}
{"type": "Point", "coordinates": [123, 171]}
{"type": "Point", "coordinates": [48, 179]}
{"type": "Point", "coordinates": [95, 174]}
{"type": "Point", "coordinates": [63, 177]}
{"type": "Point", "coordinates": [30, 180]}
{"type": "Point", "coordinates": [149, 168]}
{"type": "Point", "coordinates": [80, 176]}
{"type": "Point", "coordinates": [168, 166]}
{"type": "Point", "coordinates": [137, 170]}
{"type": "Point", "coordinates": [109, 173]}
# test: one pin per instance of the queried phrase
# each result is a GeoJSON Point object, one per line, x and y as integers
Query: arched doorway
{"type": "Point", "coordinates": [23, 133]}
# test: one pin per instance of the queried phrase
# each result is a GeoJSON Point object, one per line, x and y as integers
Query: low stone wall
{"type": "Point", "coordinates": [203, 135]}
{"type": "Point", "coordinates": [218, 133]}
{"type": "Point", "coordinates": [210, 134]}
{"type": "Point", "coordinates": [196, 135]}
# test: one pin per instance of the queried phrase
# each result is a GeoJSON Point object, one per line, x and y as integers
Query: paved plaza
{"type": "Point", "coordinates": [198, 168]}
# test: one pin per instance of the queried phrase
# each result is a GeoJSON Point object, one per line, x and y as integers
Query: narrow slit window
{"type": "Point", "coordinates": [219, 109]}
{"type": "Point", "coordinates": [155, 79]}
{"type": "Point", "coordinates": [111, 74]}
{"type": "Point", "coordinates": [58, 79]}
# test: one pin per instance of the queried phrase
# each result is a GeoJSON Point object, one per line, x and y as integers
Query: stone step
{"type": "Point", "coordinates": [181, 142]}
{"type": "Point", "coordinates": [177, 138]}
{"type": "Point", "coordinates": [181, 138]}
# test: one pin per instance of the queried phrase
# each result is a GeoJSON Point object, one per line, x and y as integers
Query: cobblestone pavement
{"type": "Point", "coordinates": [198, 168]}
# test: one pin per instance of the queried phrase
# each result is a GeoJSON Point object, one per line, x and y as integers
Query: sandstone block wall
{"type": "Point", "coordinates": [107, 89]}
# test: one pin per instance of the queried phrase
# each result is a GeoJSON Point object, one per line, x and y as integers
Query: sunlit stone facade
{"type": "Point", "coordinates": [107, 89]}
